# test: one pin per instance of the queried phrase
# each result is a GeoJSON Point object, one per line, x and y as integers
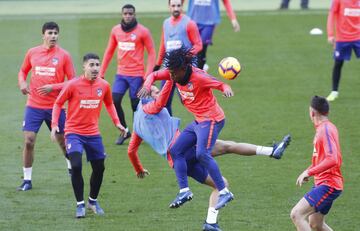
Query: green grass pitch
{"type": "Point", "coordinates": [283, 66]}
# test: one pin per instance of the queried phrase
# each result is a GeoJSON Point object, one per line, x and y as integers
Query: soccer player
{"type": "Point", "coordinates": [344, 17]}
{"type": "Point", "coordinates": [195, 87]}
{"type": "Point", "coordinates": [49, 64]}
{"type": "Point", "coordinates": [153, 124]}
{"type": "Point", "coordinates": [178, 30]}
{"type": "Point", "coordinates": [206, 14]}
{"type": "Point", "coordinates": [309, 213]}
{"type": "Point", "coordinates": [130, 38]}
{"type": "Point", "coordinates": [85, 96]}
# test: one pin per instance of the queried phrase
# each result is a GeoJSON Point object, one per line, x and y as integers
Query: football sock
{"type": "Point", "coordinates": [212, 215]}
{"type": "Point", "coordinates": [27, 173]}
{"type": "Point", "coordinates": [92, 201]}
{"type": "Point", "coordinates": [80, 202]}
{"type": "Point", "coordinates": [184, 189]}
{"type": "Point", "coordinates": [265, 151]}
{"type": "Point", "coordinates": [76, 176]}
{"type": "Point", "coordinates": [336, 74]}
{"type": "Point", "coordinates": [134, 103]}
{"type": "Point", "coordinates": [96, 177]}
{"type": "Point", "coordinates": [224, 191]}
{"type": "Point", "coordinates": [68, 163]}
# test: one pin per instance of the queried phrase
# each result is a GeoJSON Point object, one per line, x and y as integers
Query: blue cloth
{"type": "Point", "coordinates": [93, 146]}
{"type": "Point", "coordinates": [206, 12]}
{"type": "Point", "coordinates": [157, 130]}
{"type": "Point", "coordinates": [206, 33]}
{"type": "Point", "coordinates": [122, 83]}
{"type": "Point", "coordinates": [321, 198]}
{"type": "Point", "coordinates": [203, 135]}
{"type": "Point", "coordinates": [175, 36]}
{"type": "Point", "coordinates": [343, 50]}
{"type": "Point", "coordinates": [34, 117]}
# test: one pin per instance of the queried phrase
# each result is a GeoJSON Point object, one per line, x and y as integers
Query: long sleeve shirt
{"type": "Point", "coordinates": [47, 66]}
{"type": "Point", "coordinates": [326, 159]}
{"type": "Point", "coordinates": [85, 100]}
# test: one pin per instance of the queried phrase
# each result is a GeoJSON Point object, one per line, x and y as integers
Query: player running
{"type": "Point", "coordinates": [309, 213]}
{"type": "Point", "coordinates": [85, 96]}
{"type": "Point", "coordinates": [49, 64]}
{"type": "Point", "coordinates": [130, 38]}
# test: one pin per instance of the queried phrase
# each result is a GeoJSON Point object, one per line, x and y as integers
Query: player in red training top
{"type": "Point", "coordinates": [309, 213]}
{"type": "Point", "coordinates": [178, 30]}
{"type": "Point", "coordinates": [195, 87]}
{"type": "Point", "coordinates": [344, 18]}
{"type": "Point", "coordinates": [85, 96]}
{"type": "Point", "coordinates": [206, 14]}
{"type": "Point", "coordinates": [49, 64]}
{"type": "Point", "coordinates": [130, 38]}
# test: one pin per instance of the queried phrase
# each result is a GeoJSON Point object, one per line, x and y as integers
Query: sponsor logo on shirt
{"type": "Point", "coordinates": [133, 37]}
{"type": "Point", "coordinates": [202, 2]}
{"type": "Point", "coordinates": [89, 104]}
{"type": "Point", "coordinates": [99, 92]}
{"type": "Point", "coordinates": [55, 61]}
{"type": "Point", "coordinates": [352, 12]}
{"type": "Point", "coordinates": [47, 71]}
{"type": "Point", "coordinates": [186, 95]}
{"type": "Point", "coordinates": [126, 46]}
{"type": "Point", "coordinates": [173, 45]}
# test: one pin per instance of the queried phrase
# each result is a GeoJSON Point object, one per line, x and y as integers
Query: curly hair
{"type": "Point", "coordinates": [179, 58]}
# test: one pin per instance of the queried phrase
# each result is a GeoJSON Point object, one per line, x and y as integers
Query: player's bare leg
{"type": "Point", "coordinates": [300, 214]}
{"type": "Point", "coordinates": [28, 159]}
{"type": "Point", "coordinates": [317, 222]}
{"type": "Point", "coordinates": [60, 138]}
{"type": "Point", "coordinates": [211, 220]}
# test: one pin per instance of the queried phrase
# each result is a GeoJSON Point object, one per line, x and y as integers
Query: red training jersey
{"type": "Point", "coordinates": [85, 100]}
{"type": "Point", "coordinates": [196, 95]}
{"type": "Point", "coordinates": [326, 159]}
{"type": "Point", "coordinates": [47, 66]}
{"type": "Point", "coordinates": [344, 16]}
{"type": "Point", "coordinates": [130, 51]}
{"type": "Point", "coordinates": [193, 35]}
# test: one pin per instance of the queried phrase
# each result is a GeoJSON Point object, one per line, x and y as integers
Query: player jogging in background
{"type": "Point", "coordinates": [206, 14]}
{"type": "Point", "coordinates": [153, 124]}
{"type": "Point", "coordinates": [195, 87]}
{"type": "Point", "coordinates": [309, 213]}
{"type": "Point", "coordinates": [85, 96]}
{"type": "Point", "coordinates": [131, 39]}
{"type": "Point", "coordinates": [178, 30]}
{"type": "Point", "coordinates": [49, 64]}
{"type": "Point", "coordinates": [344, 18]}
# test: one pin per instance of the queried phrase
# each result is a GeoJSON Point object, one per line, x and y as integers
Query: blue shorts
{"type": "Point", "coordinates": [194, 169]}
{"type": "Point", "coordinates": [206, 33]}
{"type": "Point", "coordinates": [343, 50]}
{"type": "Point", "coordinates": [34, 117]}
{"type": "Point", "coordinates": [321, 198]}
{"type": "Point", "coordinates": [122, 83]}
{"type": "Point", "coordinates": [93, 146]}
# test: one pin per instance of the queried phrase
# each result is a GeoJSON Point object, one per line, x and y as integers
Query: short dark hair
{"type": "Point", "coordinates": [179, 58]}
{"type": "Point", "coordinates": [128, 6]}
{"type": "Point", "coordinates": [90, 56]}
{"type": "Point", "coordinates": [320, 104]}
{"type": "Point", "coordinates": [50, 26]}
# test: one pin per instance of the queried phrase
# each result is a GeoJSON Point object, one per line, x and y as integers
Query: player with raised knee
{"type": "Point", "coordinates": [154, 125]}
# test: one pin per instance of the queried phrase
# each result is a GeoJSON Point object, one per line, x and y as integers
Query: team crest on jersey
{"type": "Point", "coordinates": [55, 61]}
{"type": "Point", "coordinates": [133, 37]}
{"type": "Point", "coordinates": [99, 92]}
{"type": "Point", "coordinates": [190, 86]}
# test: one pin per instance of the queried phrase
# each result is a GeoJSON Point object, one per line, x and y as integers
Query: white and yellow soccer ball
{"type": "Point", "coordinates": [229, 68]}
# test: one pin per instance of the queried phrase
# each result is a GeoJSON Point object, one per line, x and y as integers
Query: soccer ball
{"type": "Point", "coordinates": [229, 68]}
